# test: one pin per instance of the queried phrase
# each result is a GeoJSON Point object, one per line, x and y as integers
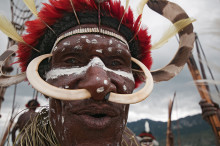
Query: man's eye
{"type": "Point", "coordinates": [115, 63]}
{"type": "Point", "coordinates": [71, 61]}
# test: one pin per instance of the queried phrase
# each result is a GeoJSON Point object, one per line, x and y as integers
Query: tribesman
{"type": "Point", "coordinates": [146, 138]}
{"type": "Point", "coordinates": [26, 118]}
{"type": "Point", "coordinates": [87, 57]}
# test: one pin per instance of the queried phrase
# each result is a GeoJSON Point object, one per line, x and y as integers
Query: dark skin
{"type": "Point", "coordinates": [93, 121]}
{"type": "Point", "coordinates": [24, 120]}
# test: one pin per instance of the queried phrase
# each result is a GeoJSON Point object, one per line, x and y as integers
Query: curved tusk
{"type": "Point", "coordinates": [174, 13]}
{"type": "Point", "coordinates": [78, 94]}
{"type": "Point", "coordinates": [52, 91]}
{"type": "Point", "coordinates": [7, 80]}
{"type": "Point", "coordinates": [139, 95]}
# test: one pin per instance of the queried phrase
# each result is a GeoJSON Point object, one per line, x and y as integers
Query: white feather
{"type": "Point", "coordinates": [31, 5]}
{"type": "Point", "coordinates": [7, 28]}
{"type": "Point", "coordinates": [147, 127]}
{"type": "Point", "coordinates": [172, 31]}
{"type": "Point", "coordinates": [141, 5]}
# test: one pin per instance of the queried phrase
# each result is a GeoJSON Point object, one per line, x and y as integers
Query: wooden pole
{"type": "Point", "coordinates": [169, 138]}
{"type": "Point", "coordinates": [6, 132]}
{"type": "Point", "coordinates": [203, 91]}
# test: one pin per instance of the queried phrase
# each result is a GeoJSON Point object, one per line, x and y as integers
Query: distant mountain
{"type": "Point", "coordinates": [193, 131]}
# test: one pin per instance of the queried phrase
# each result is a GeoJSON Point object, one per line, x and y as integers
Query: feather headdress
{"type": "Point", "coordinates": [53, 12]}
{"type": "Point", "coordinates": [58, 16]}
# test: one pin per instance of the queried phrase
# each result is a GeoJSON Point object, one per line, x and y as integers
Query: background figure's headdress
{"type": "Point", "coordinates": [61, 15]}
{"type": "Point", "coordinates": [32, 104]}
{"type": "Point", "coordinates": [147, 136]}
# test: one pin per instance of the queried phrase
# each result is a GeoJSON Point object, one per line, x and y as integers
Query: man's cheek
{"type": "Point", "coordinates": [55, 115]}
{"type": "Point", "coordinates": [66, 81]}
{"type": "Point", "coordinates": [124, 85]}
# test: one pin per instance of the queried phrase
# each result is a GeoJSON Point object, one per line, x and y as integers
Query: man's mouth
{"type": "Point", "coordinates": [96, 117]}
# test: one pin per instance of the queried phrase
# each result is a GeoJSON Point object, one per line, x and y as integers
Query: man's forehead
{"type": "Point", "coordinates": [80, 41]}
{"type": "Point", "coordinates": [92, 38]}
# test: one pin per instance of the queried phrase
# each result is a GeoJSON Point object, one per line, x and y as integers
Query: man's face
{"type": "Point", "coordinates": [148, 141]}
{"type": "Point", "coordinates": [100, 64]}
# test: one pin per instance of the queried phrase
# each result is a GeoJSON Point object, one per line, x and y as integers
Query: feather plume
{"type": "Point", "coordinates": [74, 11]}
{"type": "Point", "coordinates": [147, 127]}
{"type": "Point", "coordinates": [127, 2]}
{"type": "Point", "coordinates": [172, 31]}
{"type": "Point", "coordinates": [137, 24]}
{"type": "Point", "coordinates": [141, 5]}
{"type": "Point", "coordinates": [31, 5]}
{"type": "Point", "coordinates": [7, 28]}
{"type": "Point", "coordinates": [126, 8]}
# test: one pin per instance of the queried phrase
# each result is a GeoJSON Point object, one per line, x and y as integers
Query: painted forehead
{"type": "Point", "coordinates": [77, 42]}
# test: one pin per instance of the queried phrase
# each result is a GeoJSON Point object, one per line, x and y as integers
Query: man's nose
{"type": "Point", "coordinates": [97, 82]}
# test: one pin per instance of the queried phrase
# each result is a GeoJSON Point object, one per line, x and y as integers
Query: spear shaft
{"type": "Point", "coordinates": [169, 139]}
{"type": "Point", "coordinates": [203, 91]}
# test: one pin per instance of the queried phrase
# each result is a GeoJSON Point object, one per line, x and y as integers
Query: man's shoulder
{"type": "Point", "coordinates": [129, 138]}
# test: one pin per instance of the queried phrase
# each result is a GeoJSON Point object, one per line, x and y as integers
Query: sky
{"type": "Point", "coordinates": [155, 107]}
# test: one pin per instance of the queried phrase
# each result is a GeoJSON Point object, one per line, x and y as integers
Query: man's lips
{"type": "Point", "coordinates": [96, 116]}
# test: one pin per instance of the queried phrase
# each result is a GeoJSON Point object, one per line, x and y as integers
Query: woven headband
{"type": "Point", "coordinates": [89, 30]}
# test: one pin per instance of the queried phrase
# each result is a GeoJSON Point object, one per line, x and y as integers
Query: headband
{"type": "Point", "coordinates": [89, 30]}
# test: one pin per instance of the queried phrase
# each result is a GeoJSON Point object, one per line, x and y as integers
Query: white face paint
{"type": "Point", "coordinates": [84, 36]}
{"type": "Point", "coordinates": [98, 36]}
{"type": "Point", "coordinates": [67, 43]}
{"type": "Point", "coordinates": [67, 87]}
{"type": "Point", "coordinates": [110, 49]}
{"type": "Point", "coordinates": [99, 51]}
{"type": "Point", "coordinates": [96, 61]}
{"type": "Point", "coordinates": [124, 87]}
{"type": "Point", "coordinates": [78, 41]}
{"type": "Point", "coordinates": [119, 51]}
{"type": "Point", "coordinates": [88, 41]}
{"type": "Point", "coordinates": [94, 41]}
{"type": "Point", "coordinates": [98, 79]}
{"type": "Point", "coordinates": [110, 42]}
{"type": "Point", "coordinates": [62, 119]}
{"type": "Point", "coordinates": [63, 50]}
{"type": "Point", "coordinates": [105, 82]}
{"type": "Point", "coordinates": [78, 47]}
{"type": "Point", "coordinates": [99, 90]}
